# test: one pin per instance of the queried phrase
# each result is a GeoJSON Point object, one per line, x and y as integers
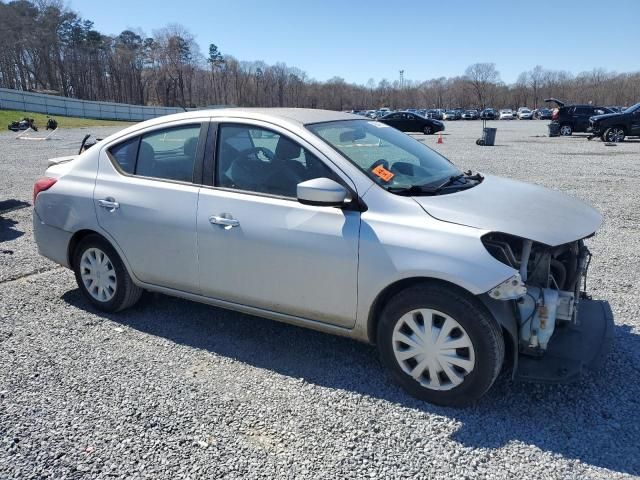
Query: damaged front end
{"type": "Point", "coordinates": [560, 329]}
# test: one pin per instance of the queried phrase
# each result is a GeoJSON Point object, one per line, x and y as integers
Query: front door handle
{"type": "Point", "coordinates": [109, 203]}
{"type": "Point", "coordinates": [225, 220]}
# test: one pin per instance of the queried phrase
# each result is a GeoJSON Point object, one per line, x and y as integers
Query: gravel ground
{"type": "Point", "coordinates": [173, 389]}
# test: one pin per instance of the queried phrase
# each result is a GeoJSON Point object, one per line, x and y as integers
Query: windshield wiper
{"type": "Point", "coordinates": [426, 190]}
{"type": "Point", "coordinates": [412, 190]}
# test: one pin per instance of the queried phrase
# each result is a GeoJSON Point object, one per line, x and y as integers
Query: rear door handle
{"type": "Point", "coordinates": [109, 203]}
{"type": "Point", "coordinates": [225, 220]}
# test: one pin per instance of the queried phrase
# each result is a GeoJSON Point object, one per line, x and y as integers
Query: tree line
{"type": "Point", "coordinates": [49, 48]}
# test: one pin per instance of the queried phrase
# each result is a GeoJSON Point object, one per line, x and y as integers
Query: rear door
{"type": "Point", "coordinates": [395, 120]}
{"type": "Point", "coordinates": [581, 116]}
{"type": "Point", "coordinates": [146, 196]}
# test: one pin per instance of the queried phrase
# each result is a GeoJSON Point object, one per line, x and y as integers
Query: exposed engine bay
{"type": "Point", "coordinates": [550, 284]}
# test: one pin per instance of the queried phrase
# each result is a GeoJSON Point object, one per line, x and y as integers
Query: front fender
{"type": "Point", "coordinates": [394, 248]}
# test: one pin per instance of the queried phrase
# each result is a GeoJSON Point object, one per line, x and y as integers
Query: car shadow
{"type": "Point", "coordinates": [586, 421]}
{"type": "Point", "coordinates": [8, 231]}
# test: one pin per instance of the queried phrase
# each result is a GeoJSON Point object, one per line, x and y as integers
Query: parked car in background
{"type": "Point", "coordinates": [489, 114]}
{"type": "Point", "coordinates": [506, 114]}
{"type": "Point", "coordinates": [574, 118]}
{"type": "Point", "coordinates": [470, 115]}
{"type": "Point", "coordinates": [543, 114]}
{"type": "Point", "coordinates": [333, 222]}
{"type": "Point", "coordinates": [434, 114]}
{"type": "Point", "coordinates": [614, 127]}
{"type": "Point", "coordinates": [450, 115]}
{"type": "Point", "coordinates": [525, 114]}
{"type": "Point", "coordinates": [412, 122]}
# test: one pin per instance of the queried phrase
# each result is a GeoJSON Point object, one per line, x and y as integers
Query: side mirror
{"type": "Point", "coordinates": [322, 192]}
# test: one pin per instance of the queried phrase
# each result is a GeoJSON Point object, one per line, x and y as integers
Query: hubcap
{"type": "Point", "coordinates": [98, 274]}
{"type": "Point", "coordinates": [433, 348]}
{"type": "Point", "coordinates": [565, 130]}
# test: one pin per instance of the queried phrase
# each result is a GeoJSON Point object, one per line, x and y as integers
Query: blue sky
{"type": "Point", "coordinates": [362, 39]}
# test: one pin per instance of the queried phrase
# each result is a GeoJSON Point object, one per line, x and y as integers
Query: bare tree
{"type": "Point", "coordinates": [481, 76]}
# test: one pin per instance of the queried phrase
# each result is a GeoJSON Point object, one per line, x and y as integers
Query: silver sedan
{"type": "Point", "coordinates": [338, 223]}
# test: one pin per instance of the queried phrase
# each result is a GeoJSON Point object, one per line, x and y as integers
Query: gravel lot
{"type": "Point", "coordinates": [173, 389]}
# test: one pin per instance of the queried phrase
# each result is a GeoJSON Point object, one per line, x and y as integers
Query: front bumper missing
{"type": "Point", "coordinates": [573, 348]}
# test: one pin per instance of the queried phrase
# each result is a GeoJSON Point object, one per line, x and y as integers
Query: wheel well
{"type": "Point", "coordinates": [75, 240]}
{"type": "Point", "coordinates": [624, 128]}
{"type": "Point", "coordinates": [393, 289]}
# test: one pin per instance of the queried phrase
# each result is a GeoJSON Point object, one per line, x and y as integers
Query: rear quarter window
{"type": "Point", "coordinates": [124, 154]}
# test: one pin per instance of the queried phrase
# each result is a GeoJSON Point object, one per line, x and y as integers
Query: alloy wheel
{"type": "Point", "coordinates": [615, 134]}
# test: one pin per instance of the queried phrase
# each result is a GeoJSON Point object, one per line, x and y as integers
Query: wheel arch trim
{"type": "Point", "coordinates": [502, 311]}
{"type": "Point", "coordinates": [84, 232]}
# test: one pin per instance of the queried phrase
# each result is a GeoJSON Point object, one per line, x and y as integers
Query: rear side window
{"type": "Point", "coordinates": [168, 154]}
{"type": "Point", "coordinates": [125, 154]}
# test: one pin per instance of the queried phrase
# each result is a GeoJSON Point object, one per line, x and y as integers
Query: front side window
{"type": "Point", "coordinates": [257, 160]}
{"type": "Point", "coordinates": [391, 158]}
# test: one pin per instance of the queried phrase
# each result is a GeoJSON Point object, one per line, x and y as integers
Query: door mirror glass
{"type": "Point", "coordinates": [321, 192]}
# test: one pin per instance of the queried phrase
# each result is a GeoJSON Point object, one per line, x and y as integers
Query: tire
{"type": "Point", "coordinates": [614, 134]}
{"type": "Point", "coordinates": [102, 277]}
{"type": "Point", "coordinates": [473, 325]}
{"type": "Point", "coordinates": [566, 130]}
{"type": "Point", "coordinates": [427, 130]}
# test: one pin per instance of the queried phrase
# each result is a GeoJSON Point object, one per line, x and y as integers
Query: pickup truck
{"type": "Point", "coordinates": [614, 127]}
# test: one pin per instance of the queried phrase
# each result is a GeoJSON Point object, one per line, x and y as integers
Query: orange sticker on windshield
{"type": "Point", "coordinates": [383, 173]}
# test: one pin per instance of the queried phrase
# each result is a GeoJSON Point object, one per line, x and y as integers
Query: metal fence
{"type": "Point", "coordinates": [71, 107]}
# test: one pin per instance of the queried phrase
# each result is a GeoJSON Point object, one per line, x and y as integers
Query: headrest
{"type": "Point", "coordinates": [190, 146]}
{"type": "Point", "coordinates": [287, 150]}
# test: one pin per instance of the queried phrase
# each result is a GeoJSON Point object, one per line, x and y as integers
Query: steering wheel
{"type": "Point", "coordinates": [377, 163]}
{"type": "Point", "coordinates": [254, 151]}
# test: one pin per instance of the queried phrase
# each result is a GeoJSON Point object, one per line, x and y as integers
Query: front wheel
{"type": "Point", "coordinates": [102, 277]}
{"type": "Point", "coordinates": [440, 344]}
{"type": "Point", "coordinates": [428, 130]}
{"type": "Point", "coordinates": [566, 130]}
{"type": "Point", "coordinates": [614, 134]}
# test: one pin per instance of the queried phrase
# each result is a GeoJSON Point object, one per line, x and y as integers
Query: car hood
{"type": "Point", "coordinates": [508, 206]}
{"type": "Point", "coordinates": [606, 115]}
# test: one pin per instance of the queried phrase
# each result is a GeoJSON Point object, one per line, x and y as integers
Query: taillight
{"type": "Point", "coordinates": [44, 183]}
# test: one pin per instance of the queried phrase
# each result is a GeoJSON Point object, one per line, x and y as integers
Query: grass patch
{"type": "Point", "coordinates": [8, 116]}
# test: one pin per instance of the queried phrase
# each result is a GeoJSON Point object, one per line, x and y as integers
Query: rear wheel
{"type": "Point", "coordinates": [102, 277]}
{"type": "Point", "coordinates": [566, 130]}
{"type": "Point", "coordinates": [440, 345]}
{"type": "Point", "coordinates": [614, 134]}
{"type": "Point", "coordinates": [428, 130]}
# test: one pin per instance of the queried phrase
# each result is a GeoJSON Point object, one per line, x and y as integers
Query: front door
{"type": "Point", "coordinates": [635, 122]}
{"type": "Point", "coordinates": [257, 246]}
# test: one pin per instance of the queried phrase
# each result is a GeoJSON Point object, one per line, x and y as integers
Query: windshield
{"type": "Point", "coordinates": [632, 108]}
{"type": "Point", "coordinates": [388, 156]}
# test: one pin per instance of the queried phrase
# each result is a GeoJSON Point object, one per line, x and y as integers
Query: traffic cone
{"type": "Point", "coordinates": [439, 138]}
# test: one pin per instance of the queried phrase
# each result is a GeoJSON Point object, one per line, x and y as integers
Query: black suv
{"type": "Point", "coordinates": [574, 118]}
{"type": "Point", "coordinates": [613, 127]}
